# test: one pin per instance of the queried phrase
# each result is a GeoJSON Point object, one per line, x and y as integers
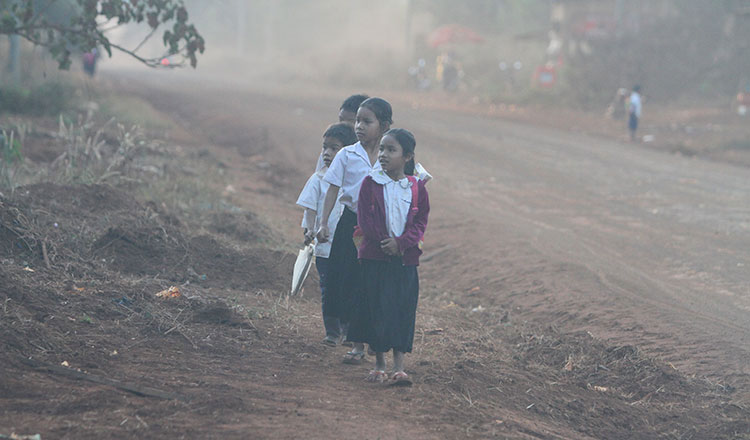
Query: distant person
{"type": "Point", "coordinates": [619, 105]}
{"type": "Point", "coordinates": [89, 62]}
{"type": "Point", "coordinates": [449, 74]}
{"type": "Point", "coordinates": [312, 198]}
{"type": "Point", "coordinates": [634, 111]}
{"type": "Point", "coordinates": [418, 75]}
{"type": "Point", "coordinates": [346, 173]}
{"type": "Point", "coordinates": [392, 213]}
{"type": "Point", "coordinates": [348, 109]}
{"type": "Point", "coordinates": [347, 115]}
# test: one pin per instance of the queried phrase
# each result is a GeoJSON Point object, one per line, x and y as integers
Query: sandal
{"type": "Point", "coordinates": [354, 357]}
{"type": "Point", "coordinates": [400, 379]}
{"type": "Point", "coordinates": [329, 341]}
{"type": "Point", "coordinates": [377, 376]}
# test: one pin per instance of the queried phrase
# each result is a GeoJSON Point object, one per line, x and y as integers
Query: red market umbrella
{"type": "Point", "coordinates": [453, 34]}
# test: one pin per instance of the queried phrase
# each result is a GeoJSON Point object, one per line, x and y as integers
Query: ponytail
{"type": "Point", "coordinates": [409, 167]}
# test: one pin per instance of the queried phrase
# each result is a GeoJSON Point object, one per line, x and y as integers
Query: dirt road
{"type": "Point", "coordinates": [581, 253]}
{"type": "Point", "coordinates": [633, 245]}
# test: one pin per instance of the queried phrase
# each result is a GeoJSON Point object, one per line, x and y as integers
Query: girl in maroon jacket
{"type": "Point", "coordinates": [392, 216]}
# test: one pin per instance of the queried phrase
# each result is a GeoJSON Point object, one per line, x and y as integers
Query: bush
{"type": "Point", "coordinates": [49, 98]}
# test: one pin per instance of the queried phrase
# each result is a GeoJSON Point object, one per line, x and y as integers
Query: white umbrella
{"type": "Point", "coordinates": [302, 267]}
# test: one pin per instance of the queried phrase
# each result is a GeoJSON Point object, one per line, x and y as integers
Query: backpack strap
{"type": "Point", "coordinates": [414, 193]}
{"type": "Point", "coordinates": [414, 208]}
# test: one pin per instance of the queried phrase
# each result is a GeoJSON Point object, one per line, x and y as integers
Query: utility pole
{"type": "Point", "coordinates": [14, 64]}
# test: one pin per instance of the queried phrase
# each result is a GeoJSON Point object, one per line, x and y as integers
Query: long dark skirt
{"type": "Point", "coordinates": [344, 271]}
{"type": "Point", "coordinates": [387, 306]}
{"type": "Point", "coordinates": [633, 122]}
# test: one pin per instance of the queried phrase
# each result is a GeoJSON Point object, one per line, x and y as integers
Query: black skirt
{"type": "Point", "coordinates": [387, 306]}
{"type": "Point", "coordinates": [344, 271]}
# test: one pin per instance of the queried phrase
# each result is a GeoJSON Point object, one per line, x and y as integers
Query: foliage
{"type": "Point", "coordinates": [10, 150]}
{"type": "Point", "coordinates": [89, 158]}
{"type": "Point", "coordinates": [49, 98]}
{"type": "Point", "coordinates": [81, 25]}
{"type": "Point", "coordinates": [690, 52]}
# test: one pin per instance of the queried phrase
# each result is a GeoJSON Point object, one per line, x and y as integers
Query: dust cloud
{"type": "Point", "coordinates": [577, 52]}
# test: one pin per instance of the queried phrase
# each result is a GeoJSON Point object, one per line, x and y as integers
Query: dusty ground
{"type": "Point", "coordinates": [612, 280]}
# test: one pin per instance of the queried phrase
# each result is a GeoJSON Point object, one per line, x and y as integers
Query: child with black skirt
{"type": "Point", "coordinates": [392, 213]}
{"type": "Point", "coordinates": [350, 166]}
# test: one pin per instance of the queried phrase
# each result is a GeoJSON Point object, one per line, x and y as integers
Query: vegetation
{"type": "Point", "coordinates": [68, 26]}
{"type": "Point", "coordinates": [10, 150]}
{"type": "Point", "coordinates": [47, 98]}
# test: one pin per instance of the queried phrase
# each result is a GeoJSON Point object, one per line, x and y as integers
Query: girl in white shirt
{"type": "Point", "coordinates": [350, 166]}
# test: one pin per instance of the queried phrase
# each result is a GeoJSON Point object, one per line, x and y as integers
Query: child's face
{"type": "Point", "coordinates": [391, 155]}
{"type": "Point", "coordinates": [347, 117]}
{"type": "Point", "coordinates": [331, 146]}
{"type": "Point", "coordinates": [368, 127]}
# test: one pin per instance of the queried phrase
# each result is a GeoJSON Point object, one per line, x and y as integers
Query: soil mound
{"type": "Point", "coordinates": [85, 257]}
{"type": "Point", "coordinates": [238, 227]}
{"type": "Point", "coordinates": [89, 228]}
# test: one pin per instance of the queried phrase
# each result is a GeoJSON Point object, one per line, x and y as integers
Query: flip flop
{"type": "Point", "coordinates": [345, 342]}
{"type": "Point", "coordinates": [354, 358]}
{"type": "Point", "coordinates": [377, 376]}
{"type": "Point", "coordinates": [331, 342]}
{"type": "Point", "coordinates": [400, 379]}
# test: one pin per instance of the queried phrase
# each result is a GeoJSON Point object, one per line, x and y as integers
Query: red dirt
{"type": "Point", "coordinates": [560, 349]}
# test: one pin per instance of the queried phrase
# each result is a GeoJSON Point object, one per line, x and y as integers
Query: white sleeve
{"type": "Point", "coordinates": [310, 194]}
{"type": "Point", "coordinates": [335, 173]}
{"type": "Point", "coordinates": [309, 220]}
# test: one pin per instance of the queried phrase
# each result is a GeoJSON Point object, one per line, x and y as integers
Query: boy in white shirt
{"type": "Point", "coordinates": [347, 115]}
{"type": "Point", "coordinates": [634, 109]}
{"type": "Point", "coordinates": [312, 198]}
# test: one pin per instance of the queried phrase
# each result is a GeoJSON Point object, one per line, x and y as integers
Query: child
{"type": "Point", "coordinates": [312, 197]}
{"type": "Point", "coordinates": [347, 115]}
{"type": "Point", "coordinates": [635, 111]}
{"type": "Point", "coordinates": [350, 166]}
{"type": "Point", "coordinates": [348, 109]}
{"type": "Point", "coordinates": [392, 213]}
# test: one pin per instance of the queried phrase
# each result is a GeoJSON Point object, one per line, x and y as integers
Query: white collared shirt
{"type": "Point", "coordinates": [313, 197]}
{"type": "Point", "coordinates": [635, 104]}
{"type": "Point", "coordinates": [347, 171]}
{"type": "Point", "coordinates": [397, 198]}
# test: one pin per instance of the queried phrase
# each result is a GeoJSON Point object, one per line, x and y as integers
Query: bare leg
{"type": "Point", "coordinates": [398, 361]}
{"type": "Point", "coordinates": [380, 361]}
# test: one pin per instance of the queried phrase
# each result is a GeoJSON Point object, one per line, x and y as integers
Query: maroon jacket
{"type": "Point", "coordinates": [371, 220]}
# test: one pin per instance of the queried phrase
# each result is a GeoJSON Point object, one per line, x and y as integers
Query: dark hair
{"type": "Point", "coordinates": [342, 132]}
{"type": "Point", "coordinates": [381, 108]}
{"type": "Point", "coordinates": [637, 88]}
{"type": "Point", "coordinates": [352, 103]}
{"type": "Point", "coordinates": [406, 139]}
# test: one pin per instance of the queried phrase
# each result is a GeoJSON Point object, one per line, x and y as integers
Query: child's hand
{"type": "Point", "coordinates": [309, 236]}
{"type": "Point", "coordinates": [390, 246]}
{"type": "Point", "coordinates": [323, 234]}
